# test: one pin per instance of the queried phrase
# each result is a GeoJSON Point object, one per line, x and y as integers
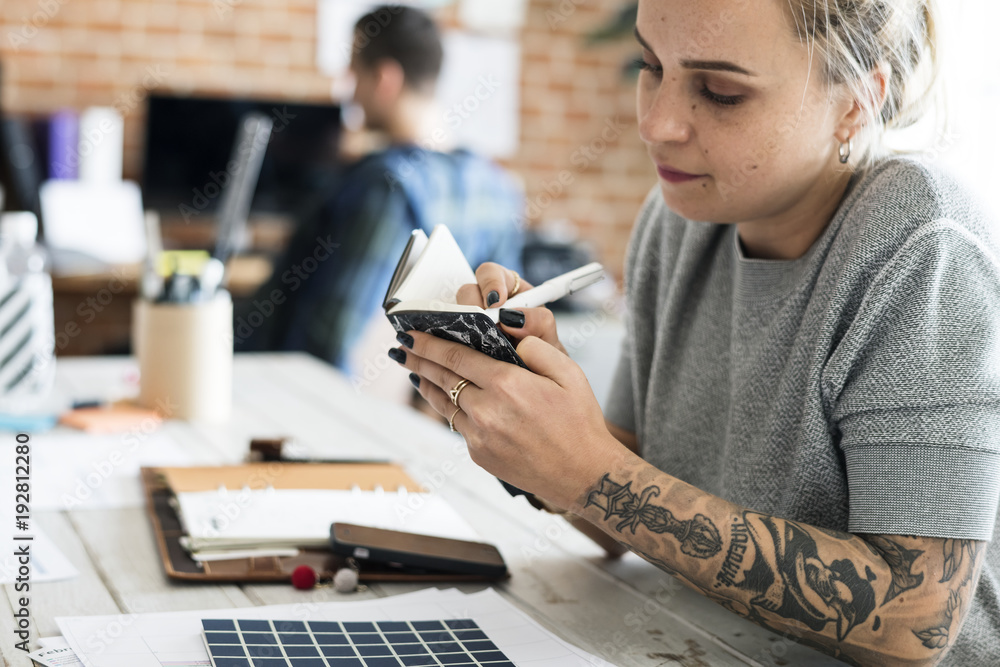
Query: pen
{"type": "Point", "coordinates": [181, 288]}
{"type": "Point", "coordinates": [553, 289]}
{"type": "Point", "coordinates": [151, 286]}
{"type": "Point", "coordinates": [167, 289]}
{"type": "Point", "coordinates": [211, 277]}
{"type": "Point", "coordinates": [88, 403]}
{"type": "Point", "coordinates": [287, 450]}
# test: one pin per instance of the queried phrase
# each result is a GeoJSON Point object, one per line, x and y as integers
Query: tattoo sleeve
{"type": "Point", "coordinates": [958, 556]}
{"type": "Point", "coordinates": [858, 598]}
{"type": "Point", "coordinates": [698, 536]}
{"type": "Point", "coordinates": [900, 561]}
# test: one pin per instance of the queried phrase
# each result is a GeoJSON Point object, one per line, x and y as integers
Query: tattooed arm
{"type": "Point", "coordinates": [865, 599]}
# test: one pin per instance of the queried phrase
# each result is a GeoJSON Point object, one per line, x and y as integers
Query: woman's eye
{"type": "Point", "coordinates": [642, 65]}
{"type": "Point", "coordinates": [722, 100]}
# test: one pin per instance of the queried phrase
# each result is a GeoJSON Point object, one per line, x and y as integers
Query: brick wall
{"type": "Point", "coordinates": [578, 127]}
{"type": "Point", "coordinates": [580, 156]}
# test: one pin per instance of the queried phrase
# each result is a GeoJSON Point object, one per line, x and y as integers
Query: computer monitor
{"type": "Point", "coordinates": [188, 147]}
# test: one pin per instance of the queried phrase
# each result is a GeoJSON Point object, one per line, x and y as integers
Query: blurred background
{"type": "Point", "coordinates": [538, 85]}
{"type": "Point", "coordinates": [558, 112]}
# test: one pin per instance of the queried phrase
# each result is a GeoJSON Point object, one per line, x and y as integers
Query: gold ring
{"type": "Point", "coordinates": [451, 420]}
{"type": "Point", "coordinates": [517, 285]}
{"type": "Point", "coordinates": [456, 391]}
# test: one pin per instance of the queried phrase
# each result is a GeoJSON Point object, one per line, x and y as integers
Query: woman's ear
{"type": "Point", "coordinates": [866, 108]}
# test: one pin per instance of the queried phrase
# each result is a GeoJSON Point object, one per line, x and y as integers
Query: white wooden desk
{"type": "Point", "coordinates": [626, 611]}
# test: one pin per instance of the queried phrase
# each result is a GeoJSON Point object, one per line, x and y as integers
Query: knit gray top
{"type": "Point", "coordinates": [856, 388]}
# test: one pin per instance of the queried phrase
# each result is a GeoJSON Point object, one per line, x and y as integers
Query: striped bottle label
{"type": "Point", "coordinates": [27, 361]}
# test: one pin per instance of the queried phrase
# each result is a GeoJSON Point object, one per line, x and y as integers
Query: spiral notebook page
{"type": "Point", "coordinates": [302, 517]}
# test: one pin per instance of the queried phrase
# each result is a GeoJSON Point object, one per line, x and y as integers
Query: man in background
{"type": "Point", "coordinates": [338, 265]}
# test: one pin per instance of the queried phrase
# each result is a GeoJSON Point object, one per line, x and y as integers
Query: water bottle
{"type": "Point", "coordinates": [27, 340]}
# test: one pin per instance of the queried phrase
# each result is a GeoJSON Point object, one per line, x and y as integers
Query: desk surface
{"type": "Point", "coordinates": [625, 611]}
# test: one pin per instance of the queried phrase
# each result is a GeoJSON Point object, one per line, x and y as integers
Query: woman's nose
{"type": "Point", "coordinates": [664, 116]}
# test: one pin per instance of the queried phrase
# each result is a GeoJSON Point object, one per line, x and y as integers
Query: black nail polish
{"type": "Point", "coordinates": [415, 380]}
{"type": "Point", "coordinates": [492, 298]}
{"type": "Point", "coordinates": [406, 340]}
{"type": "Point", "coordinates": [512, 318]}
{"type": "Point", "coordinates": [397, 355]}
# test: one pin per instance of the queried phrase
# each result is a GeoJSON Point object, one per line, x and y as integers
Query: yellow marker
{"type": "Point", "coordinates": [182, 262]}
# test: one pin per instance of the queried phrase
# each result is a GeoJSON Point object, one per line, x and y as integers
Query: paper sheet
{"type": "Point", "coordinates": [46, 561]}
{"type": "Point", "coordinates": [479, 92]}
{"type": "Point", "coordinates": [53, 642]}
{"type": "Point", "coordinates": [303, 516]}
{"type": "Point", "coordinates": [175, 639]}
{"type": "Point", "coordinates": [56, 656]}
{"type": "Point", "coordinates": [75, 470]}
{"type": "Point", "coordinates": [101, 220]}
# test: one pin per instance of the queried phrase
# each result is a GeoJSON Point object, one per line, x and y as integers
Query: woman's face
{"type": "Point", "coordinates": [739, 125]}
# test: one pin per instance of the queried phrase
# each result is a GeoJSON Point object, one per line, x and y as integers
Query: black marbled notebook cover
{"type": "Point", "coordinates": [476, 330]}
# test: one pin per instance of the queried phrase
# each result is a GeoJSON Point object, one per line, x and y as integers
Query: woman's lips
{"type": "Point", "coordinates": [674, 176]}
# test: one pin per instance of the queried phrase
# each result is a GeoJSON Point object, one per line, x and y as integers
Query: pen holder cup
{"type": "Point", "coordinates": [185, 353]}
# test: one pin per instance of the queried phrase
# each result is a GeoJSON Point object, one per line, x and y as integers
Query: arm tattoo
{"type": "Point", "coordinates": [776, 563]}
{"type": "Point", "coordinates": [937, 637]}
{"type": "Point", "coordinates": [698, 536]}
{"type": "Point", "coordinates": [955, 551]}
{"type": "Point", "coordinates": [900, 560]}
{"type": "Point", "coordinates": [954, 555]}
{"type": "Point", "coordinates": [784, 573]}
{"type": "Point", "coordinates": [774, 560]}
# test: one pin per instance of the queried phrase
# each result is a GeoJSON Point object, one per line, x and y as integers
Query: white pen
{"type": "Point", "coordinates": [211, 277]}
{"type": "Point", "coordinates": [551, 290]}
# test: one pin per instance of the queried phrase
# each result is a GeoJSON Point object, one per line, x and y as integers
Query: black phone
{"type": "Point", "coordinates": [412, 551]}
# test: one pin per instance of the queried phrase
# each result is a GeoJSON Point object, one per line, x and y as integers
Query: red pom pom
{"type": "Point", "coordinates": [303, 577]}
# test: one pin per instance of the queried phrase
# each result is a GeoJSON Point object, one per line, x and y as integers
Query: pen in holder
{"type": "Point", "coordinates": [185, 353]}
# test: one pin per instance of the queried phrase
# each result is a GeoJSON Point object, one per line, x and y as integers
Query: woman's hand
{"type": "Point", "coordinates": [494, 284]}
{"type": "Point", "coordinates": [541, 429]}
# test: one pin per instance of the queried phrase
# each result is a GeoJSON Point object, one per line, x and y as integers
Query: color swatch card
{"type": "Point", "coordinates": [427, 627]}
{"type": "Point", "coordinates": [259, 643]}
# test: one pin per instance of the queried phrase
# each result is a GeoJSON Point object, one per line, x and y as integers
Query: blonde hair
{"type": "Point", "coordinates": [853, 38]}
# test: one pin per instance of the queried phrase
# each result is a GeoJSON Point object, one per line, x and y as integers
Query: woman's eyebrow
{"type": "Point", "coordinates": [713, 65]}
{"type": "Point", "coordinates": [716, 65]}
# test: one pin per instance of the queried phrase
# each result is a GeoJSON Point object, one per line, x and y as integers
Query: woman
{"type": "Point", "coordinates": [805, 421]}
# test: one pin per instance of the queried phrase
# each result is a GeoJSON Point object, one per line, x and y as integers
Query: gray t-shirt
{"type": "Point", "coordinates": [856, 388]}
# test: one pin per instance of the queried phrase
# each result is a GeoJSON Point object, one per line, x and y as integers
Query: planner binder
{"type": "Point", "coordinates": [162, 484]}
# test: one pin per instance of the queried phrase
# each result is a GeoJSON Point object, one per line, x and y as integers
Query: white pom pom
{"type": "Point", "coordinates": [346, 580]}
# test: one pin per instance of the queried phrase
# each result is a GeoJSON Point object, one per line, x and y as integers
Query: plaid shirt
{"type": "Point", "coordinates": [334, 275]}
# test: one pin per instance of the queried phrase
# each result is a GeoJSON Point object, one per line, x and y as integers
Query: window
{"type": "Point", "coordinates": [969, 145]}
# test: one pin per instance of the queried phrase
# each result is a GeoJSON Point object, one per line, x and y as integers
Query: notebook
{"type": "Point", "coordinates": [220, 520]}
{"type": "Point", "coordinates": [392, 497]}
{"type": "Point", "coordinates": [422, 296]}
